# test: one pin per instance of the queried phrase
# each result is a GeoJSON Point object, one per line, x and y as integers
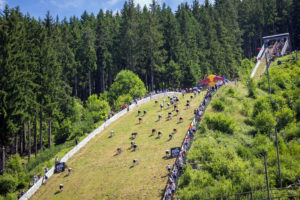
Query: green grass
{"type": "Point", "coordinates": [260, 69]}
{"type": "Point", "coordinates": [98, 173]}
{"type": "Point", "coordinates": [230, 163]}
{"type": "Point", "coordinates": [274, 63]}
{"type": "Point", "coordinates": [284, 59]}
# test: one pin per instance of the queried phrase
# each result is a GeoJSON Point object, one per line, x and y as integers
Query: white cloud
{"type": "Point", "coordinates": [143, 2]}
{"type": "Point", "coordinates": [67, 3]}
{"type": "Point", "coordinates": [2, 4]}
{"type": "Point", "coordinates": [113, 2]}
{"type": "Point", "coordinates": [115, 12]}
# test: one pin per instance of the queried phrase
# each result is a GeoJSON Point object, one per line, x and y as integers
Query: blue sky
{"type": "Point", "coordinates": [67, 8]}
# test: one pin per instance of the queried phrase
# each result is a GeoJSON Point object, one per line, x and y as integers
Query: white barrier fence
{"type": "Point", "coordinates": [38, 184]}
{"type": "Point", "coordinates": [260, 56]}
{"type": "Point", "coordinates": [285, 47]}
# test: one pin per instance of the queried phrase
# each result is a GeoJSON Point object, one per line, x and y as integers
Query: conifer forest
{"type": "Point", "coordinates": [60, 77]}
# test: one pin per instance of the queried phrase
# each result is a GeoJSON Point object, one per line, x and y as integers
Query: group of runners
{"type": "Point", "coordinates": [176, 169]}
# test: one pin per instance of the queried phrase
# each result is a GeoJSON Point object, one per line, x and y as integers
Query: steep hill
{"type": "Point", "coordinates": [226, 156]}
{"type": "Point", "coordinates": [99, 173]}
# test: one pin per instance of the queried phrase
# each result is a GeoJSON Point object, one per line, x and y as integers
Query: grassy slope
{"type": "Point", "coordinates": [273, 63]}
{"type": "Point", "coordinates": [100, 174]}
{"type": "Point", "coordinates": [237, 167]}
{"type": "Point", "coordinates": [260, 69]}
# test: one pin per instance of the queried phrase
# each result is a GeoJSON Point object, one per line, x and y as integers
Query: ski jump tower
{"type": "Point", "coordinates": [274, 46]}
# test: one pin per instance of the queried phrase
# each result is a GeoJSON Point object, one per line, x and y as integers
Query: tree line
{"type": "Point", "coordinates": [48, 66]}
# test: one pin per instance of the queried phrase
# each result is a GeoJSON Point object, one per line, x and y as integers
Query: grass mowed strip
{"type": "Point", "coordinates": [100, 173]}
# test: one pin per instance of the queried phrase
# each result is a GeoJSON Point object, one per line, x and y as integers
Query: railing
{"type": "Point", "coordinates": [285, 47]}
{"type": "Point", "coordinates": [73, 151]}
{"type": "Point", "coordinates": [261, 52]}
{"type": "Point", "coordinates": [260, 56]}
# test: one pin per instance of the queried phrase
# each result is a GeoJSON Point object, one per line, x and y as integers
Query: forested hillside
{"type": "Point", "coordinates": [56, 74]}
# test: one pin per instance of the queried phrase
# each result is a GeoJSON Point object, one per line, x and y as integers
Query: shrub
{"type": "Point", "coordinates": [77, 110]}
{"type": "Point", "coordinates": [88, 122]}
{"type": "Point", "coordinates": [276, 102]}
{"type": "Point", "coordinates": [218, 105]}
{"type": "Point", "coordinates": [127, 82]}
{"type": "Point", "coordinates": [291, 132]}
{"type": "Point", "coordinates": [264, 122]}
{"type": "Point", "coordinates": [230, 92]}
{"type": "Point", "coordinates": [245, 108]}
{"type": "Point", "coordinates": [46, 155]}
{"type": "Point", "coordinates": [64, 131]}
{"type": "Point", "coordinates": [246, 67]}
{"type": "Point", "coordinates": [15, 168]}
{"type": "Point", "coordinates": [297, 109]}
{"type": "Point", "coordinates": [284, 117]}
{"type": "Point", "coordinates": [221, 123]}
{"type": "Point", "coordinates": [260, 144]}
{"type": "Point", "coordinates": [186, 177]}
{"type": "Point", "coordinates": [251, 85]}
{"type": "Point", "coordinates": [97, 107]}
{"type": "Point", "coordinates": [11, 196]}
{"type": "Point", "coordinates": [260, 105]}
{"type": "Point", "coordinates": [122, 100]}
{"type": "Point", "coordinates": [249, 122]}
{"type": "Point", "coordinates": [7, 184]}
{"type": "Point", "coordinates": [244, 152]}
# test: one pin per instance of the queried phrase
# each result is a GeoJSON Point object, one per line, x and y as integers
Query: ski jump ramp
{"type": "Point", "coordinates": [274, 46]}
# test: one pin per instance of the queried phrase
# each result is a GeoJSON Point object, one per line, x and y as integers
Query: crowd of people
{"type": "Point", "coordinates": [175, 171]}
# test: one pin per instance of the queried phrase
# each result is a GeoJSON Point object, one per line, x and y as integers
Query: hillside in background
{"type": "Point", "coordinates": [226, 159]}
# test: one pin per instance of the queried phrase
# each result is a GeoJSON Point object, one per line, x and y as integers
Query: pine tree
{"type": "Point", "coordinates": [296, 22]}
{"type": "Point", "coordinates": [14, 75]}
{"type": "Point", "coordinates": [87, 57]}
{"type": "Point", "coordinates": [104, 46]}
{"type": "Point", "coordinates": [128, 36]}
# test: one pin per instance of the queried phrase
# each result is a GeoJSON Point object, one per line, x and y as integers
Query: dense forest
{"type": "Point", "coordinates": [53, 70]}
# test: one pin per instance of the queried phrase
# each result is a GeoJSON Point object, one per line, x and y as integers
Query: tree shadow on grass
{"type": "Point", "coordinates": [57, 192]}
{"type": "Point", "coordinates": [157, 138]}
{"type": "Point", "coordinates": [178, 122]}
{"type": "Point", "coordinates": [151, 135]}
